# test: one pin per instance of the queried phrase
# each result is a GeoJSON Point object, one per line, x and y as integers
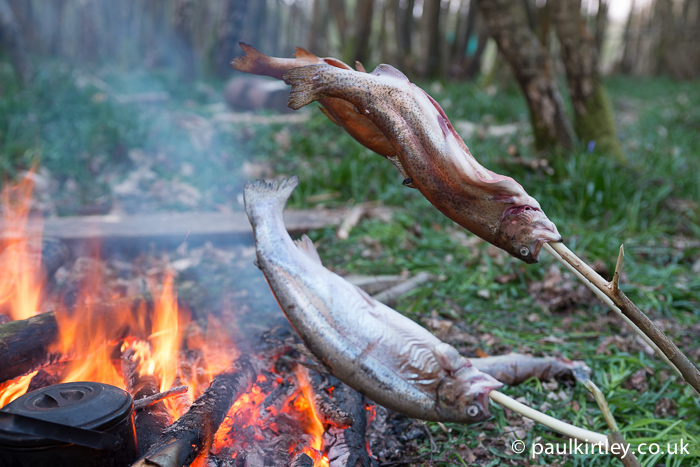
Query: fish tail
{"type": "Point", "coordinates": [265, 200]}
{"type": "Point", "coordinates": [257, 63]}
{"type": "Point", "coordinates": [307, 85]}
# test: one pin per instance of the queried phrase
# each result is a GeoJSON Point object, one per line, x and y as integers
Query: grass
{"type": "Point", "coordinates": [650, 204]}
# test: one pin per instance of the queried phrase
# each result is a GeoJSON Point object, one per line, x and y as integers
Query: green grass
{"type": "Point", "coordinates": [650, 204]}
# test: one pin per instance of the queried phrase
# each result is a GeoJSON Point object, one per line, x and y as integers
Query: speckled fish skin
{"type": "Point", "coordinates": [432, 157]}
{"type": "Point", "coordinates": [339, 111]}
{"type": "Point", "coordinates": [367, 345]}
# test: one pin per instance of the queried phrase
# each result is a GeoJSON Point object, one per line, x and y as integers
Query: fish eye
{"type": "Point", "coordinates": [473, 411]}
{"type": "Point", "coordinates": [524, 251]}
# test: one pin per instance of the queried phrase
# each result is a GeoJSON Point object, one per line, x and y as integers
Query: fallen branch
{"type": "Point", "coordinates": [392, 294]}
{"type": "Point", "coordinates": [622, 305]}
{"type": "Point", "coordinates": [194, 431]}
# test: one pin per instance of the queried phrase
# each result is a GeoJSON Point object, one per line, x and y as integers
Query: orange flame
{"type": "Point", "coordinates": [314, 428]}
{"type": "Point", "coordinates": [20, 263]}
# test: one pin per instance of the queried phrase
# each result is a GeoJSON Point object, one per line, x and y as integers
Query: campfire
{"type": "Point", "coordinates": [203, 395]}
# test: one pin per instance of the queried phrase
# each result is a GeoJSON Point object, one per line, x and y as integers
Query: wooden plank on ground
{"type": "Point", "coordinates": [166, 228]}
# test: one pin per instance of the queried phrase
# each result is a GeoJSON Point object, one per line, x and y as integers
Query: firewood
{"type": "Point", "coordinates": [27, 345]}
{"type": "Point", "coordinates": [194, 431]}
{"type": "Point", "coordinates": [149, 421]}
{"type": "Point", "coordinates": [348, 447]}
{"type": "Point", "coordinates": [302, 460]}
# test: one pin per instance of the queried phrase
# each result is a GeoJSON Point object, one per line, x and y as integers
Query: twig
{"type": "Point", "coordinates": [614, 286]}
{"type": "Point", "coordinates": [390, 295]}
{"type": "Point", "coordinates": [350, 221]}
{"type": "Point", "coordinates": [564, 428]}
{"type": "Point", "coordinates": [599, 287]}
{"type": "Point", "coordinates": [627, 457]}
{"type": "Point", "coordinates": [155, 398]}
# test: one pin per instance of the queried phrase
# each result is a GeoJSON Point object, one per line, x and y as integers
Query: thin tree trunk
{"type": "Point", "coordinates": [316, 41]}
{"type": "Point", "coordinates": [532, 68]}
{"type": "Point", "coordinates": [13, 42]}
{"type": "Point", "coordinates": [431, 21]}
{"type": "Point", "coordinates": [337, 8]}
{"type": "Point", "coordinates": [593, 116]}
{"type": "Point", "coordinates": [363, 29]}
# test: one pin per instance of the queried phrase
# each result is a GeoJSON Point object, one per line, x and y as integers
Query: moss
{"type": "Point", "coordinates": [597, 124]}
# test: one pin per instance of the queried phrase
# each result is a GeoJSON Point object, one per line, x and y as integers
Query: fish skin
{"type": "Point", "coordinates": [512, 369]}
{"type": "Point", "coordinates": [432, 157]}
{"type": "Point", "coordinates": [339, 111]}
{"type": "Point", "coordinates": [367, 345]}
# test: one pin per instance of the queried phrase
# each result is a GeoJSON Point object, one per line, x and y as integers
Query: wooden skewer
{"type": "Point", "coordinates": [622, 305]}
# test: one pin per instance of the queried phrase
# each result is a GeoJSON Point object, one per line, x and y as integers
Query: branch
{"type": "Point", "coordinates": [639, 321]}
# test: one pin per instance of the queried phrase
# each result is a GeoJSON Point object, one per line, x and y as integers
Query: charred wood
{"type": "Point", "coordinates": [161, 396]}
{"type": "Point", "coordinates": [30, 344]}
{"type": "Point", "coordinates": [348, 447]}
{"type": "Point", "coordinates": [302, 460]}
{"type": "Point", "coordinates": [149, 421]}
{"type": "Point", "coordinates": [194, 432]}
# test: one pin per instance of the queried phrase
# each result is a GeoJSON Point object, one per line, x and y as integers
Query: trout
{"type": "Point", "coordinates": [365, 344]}
{"type": "Point", "coordinates": [431, 156]}
{"type": "Point", "coordinates": [339, 111]}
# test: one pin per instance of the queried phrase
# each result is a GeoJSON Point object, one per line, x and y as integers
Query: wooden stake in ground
{"type": "Point", "coordinates": [194, 432]}
{"type": "Point", "coordinates": [619, 302]}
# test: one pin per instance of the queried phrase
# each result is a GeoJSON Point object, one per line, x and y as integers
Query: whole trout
{"type": "Point", "coordinates": [367, 345]}
{"type": "Point", "coordinates": [431, 156]}
{"type": "Point", "coordinates": [339, 111]}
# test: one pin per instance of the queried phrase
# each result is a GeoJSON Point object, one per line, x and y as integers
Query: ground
{"type": "Point", "coordinates": [96, 151]}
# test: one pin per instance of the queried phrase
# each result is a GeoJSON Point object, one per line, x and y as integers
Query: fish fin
{"type": "Point", "coordinates": [336, 63]}
{"type": "Point", "coordinates": [303, 53]}
{"type": "Point", "coordinates": [360, 67]}
{"type": "Point", "coordinates": [330, 117]}
{"type": "Point", "coordinates": [264, 199]}
{"type": "Point", "coordinates": [251, 61]}
{"type": "Point", "coordinates": [448, 357]}
{"type": "Point", "coordinates": [306, 87]}
{"type": "Point", "coordinates": [389, 70]}
{"type": "Point", "coordinates": [307, 246]}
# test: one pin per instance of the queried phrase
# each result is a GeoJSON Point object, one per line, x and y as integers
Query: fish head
{"type": "Point", "coordinates": [523, 231]}
{"type": "Point", "coordinates": [463, 396]}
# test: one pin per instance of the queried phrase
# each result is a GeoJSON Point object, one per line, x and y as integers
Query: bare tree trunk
{"type": "Point", "coordinates": [431, 20]}
{"type": "Point", "coordinates": [13, 42]}
{"type": "Point", "coordinates": [183, 33]}
{"type": "Point", "coordinates": [404, 30]}
{"type": "Point", "coordinates": [593, 116]}
{"type": "Point", "coordinates": [363, 29]}
{"type": "Point", "coordinates": [317, 42]}
{"type": "Point", "coordinates": [337, 8]}
{"type": "Point", "coordinates": [532, 68]}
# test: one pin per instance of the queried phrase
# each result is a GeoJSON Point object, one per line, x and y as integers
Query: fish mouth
{"type": "Point", "coordinates": [527, 226]}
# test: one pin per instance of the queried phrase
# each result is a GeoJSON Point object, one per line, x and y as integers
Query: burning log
{"type": "Point", "coordinates": [347, 447]}
{"type": "Point", "coordinates": [28, 345]}
{"type": "Point", "coordinates": [194, 432]}
{"type": "Point", "coordinates": [149, 421]}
